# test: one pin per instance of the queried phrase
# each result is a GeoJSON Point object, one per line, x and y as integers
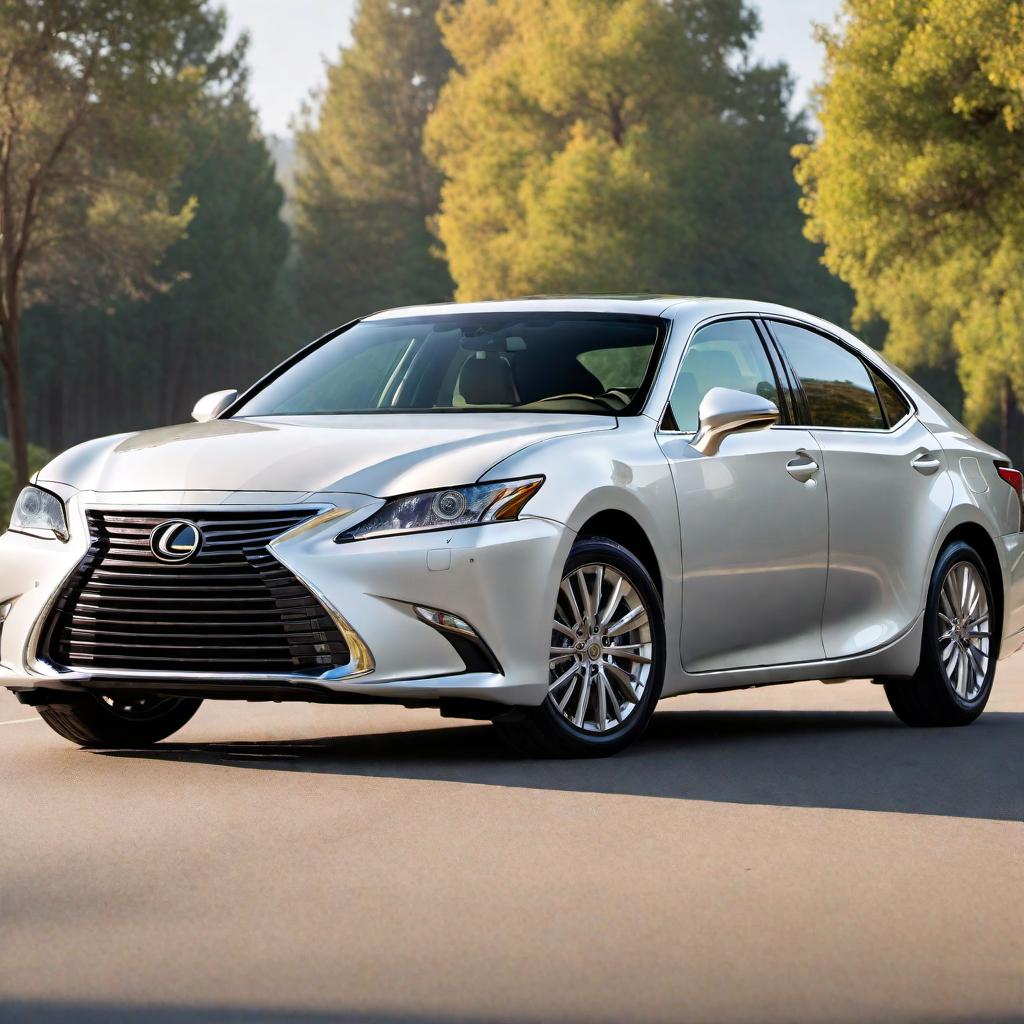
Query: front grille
{"type": "Point", "coordinates": [232, 607]}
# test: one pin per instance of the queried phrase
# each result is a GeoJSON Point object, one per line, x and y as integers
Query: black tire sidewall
{"type": "Point", "coordinates": [931, 661]}
{"type": "Point", "coordinates": [586, 551]}
{"type": "Point", "coordinates": [87, 721]}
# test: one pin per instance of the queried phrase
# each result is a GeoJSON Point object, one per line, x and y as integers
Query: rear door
{"type": "Point", "coordinates": [888, 491]}
{"type": "Point", "coordinates": [753, 517]}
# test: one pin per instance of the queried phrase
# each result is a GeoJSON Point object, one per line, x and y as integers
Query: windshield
{"type": "Point", "coordinates": [495, 362]}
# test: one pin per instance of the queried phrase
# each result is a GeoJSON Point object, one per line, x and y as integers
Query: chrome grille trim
{"type": "Point", "coordinates": [232, 609]}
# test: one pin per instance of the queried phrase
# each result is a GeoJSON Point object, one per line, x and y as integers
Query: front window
{"type": "Point", "coordinates": [491, 362]}
{"type": "Point", "coordinates": [727, 354]}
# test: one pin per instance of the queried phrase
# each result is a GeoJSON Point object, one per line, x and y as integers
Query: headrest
{"type": "Point", "coordinates": [487, 380]}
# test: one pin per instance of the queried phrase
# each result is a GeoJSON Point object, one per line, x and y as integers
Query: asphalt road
{"type": "Point", "coordinates": [787, 854]}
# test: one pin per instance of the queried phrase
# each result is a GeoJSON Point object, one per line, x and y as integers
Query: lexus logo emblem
{"type": "Point", "coordinates": [176, 541]}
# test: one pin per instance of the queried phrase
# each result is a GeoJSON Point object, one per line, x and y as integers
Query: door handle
{"type": "Point", "coordinates": [926, 463]}
{"type": "Point", "coordinates": [802, 468]}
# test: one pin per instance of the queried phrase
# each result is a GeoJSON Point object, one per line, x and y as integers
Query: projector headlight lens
{"type": "Point", "coordinates": [452, 507]}
{"type": "Point", "coordinates": [449, 506]}
{"type": "Point", "coordinates": [39, 513]}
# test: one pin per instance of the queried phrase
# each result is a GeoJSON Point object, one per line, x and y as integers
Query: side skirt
{"type": "Point", "coordinates": [899, 657]}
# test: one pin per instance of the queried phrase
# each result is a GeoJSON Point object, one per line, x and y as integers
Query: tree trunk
{"type": "Point", "coordinates": [1007, 409]}
{"type": "Point", "coordinates": [17, 432]}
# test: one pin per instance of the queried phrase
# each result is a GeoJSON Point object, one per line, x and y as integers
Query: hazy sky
{"type": "Point", "coordinates": [291, 39]}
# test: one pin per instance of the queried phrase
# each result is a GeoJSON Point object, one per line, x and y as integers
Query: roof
{"type": "Point", "coordinates": [651, 305]}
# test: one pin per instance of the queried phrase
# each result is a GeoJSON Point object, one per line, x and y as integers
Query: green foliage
{"type": "Point", "coordinates": [91, 91]}
{"type": "Point", "coordinates": [37, 458]}
{"type": "Point", "coordinates": [914, 187]}
{"type": "Point", "coordinates": [364, 190]}
{"type": "Point", "coordinates": [619, 145]}
{"type": "Point", "coordinates": [92, 97]}
{"type": "Point", "coordinates": [137, 363]}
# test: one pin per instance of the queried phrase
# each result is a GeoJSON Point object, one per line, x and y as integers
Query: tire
{"type": "Point", "coordinates": [954, 678]}
{"type": "Point", "coordinates": [588, 673]}
{"type": "Point", "coordinates": [94, 721]}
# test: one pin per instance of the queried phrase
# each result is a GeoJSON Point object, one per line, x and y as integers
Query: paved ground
{"type": "Point", "coordinates": [788, 854]}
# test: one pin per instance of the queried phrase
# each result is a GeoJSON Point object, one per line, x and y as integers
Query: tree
{"type": "Point", "coordinates": [145, 361]}
{"type": "Point", "coordinates": [364, 190]}
{"type": "Point", "coordinates": [619, 145]}
{"type": "Point", "coordinates": [915, 185]}
{"type": "Point", "coordinates": [89, 97]}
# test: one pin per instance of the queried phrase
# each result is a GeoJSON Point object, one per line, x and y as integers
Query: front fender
{"type": "Point", "coordinates": [623, 471]}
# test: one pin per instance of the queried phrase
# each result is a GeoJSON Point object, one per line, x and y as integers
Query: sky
{"type": "Point", "coordinates": [291, 39]}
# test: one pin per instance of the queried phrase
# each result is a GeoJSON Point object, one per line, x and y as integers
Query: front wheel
{"type": "Point", "coordinates": [958, 649]}
{"type": "Point", "coordinates": [606, 662]}
{"type": "Point", "coordinates": [95, 721]}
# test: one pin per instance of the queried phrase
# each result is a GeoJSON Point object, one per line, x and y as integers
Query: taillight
{"type": "Point", "coordinates": [1014, 478]}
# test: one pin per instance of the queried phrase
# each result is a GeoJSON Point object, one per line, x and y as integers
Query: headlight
{"type": "Point", "coordinates": [39, 513]}
{"type": "Point", "coordinates": [452, 507]}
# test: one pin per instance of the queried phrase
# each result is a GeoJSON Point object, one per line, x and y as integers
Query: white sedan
{"type": "Point", "coordinates": [547, 513]}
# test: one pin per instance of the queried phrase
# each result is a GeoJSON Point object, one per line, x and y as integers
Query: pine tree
{"type": "Point", "coordinates": [915, 186]}
{"type": "Point", "coordinates": [89, 148]}
{"type": "Point", "coordinates": [619, 145]}
{"type": "Point", "coordinates": [138, 363]}
{"type": "Point", "coordinates": [364, 191]}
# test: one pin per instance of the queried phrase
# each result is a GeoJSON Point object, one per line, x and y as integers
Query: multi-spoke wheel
{"type": "Point", "coordinates": [966, 630]}
{"type": "Point", "coordinates": [606, 656]}
{"type": "Point", "coordinates": [91, 720]}
{"type": "Point", "coordinates": [600, 648]}
{"type": "Point", "coordinates": [959, 647]}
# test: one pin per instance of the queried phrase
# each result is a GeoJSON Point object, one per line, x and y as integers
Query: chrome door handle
{"type": "Point", "coordinates": [802, 468]}
{"type": "Point", "coordinates": [926, 463]}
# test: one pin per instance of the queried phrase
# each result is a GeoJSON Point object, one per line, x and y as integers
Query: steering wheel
{"type": "Point", "coordinates": [579, 396]}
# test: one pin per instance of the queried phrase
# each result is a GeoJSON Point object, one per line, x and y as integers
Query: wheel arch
{"type": "Point", "coordinates": [974, 534]}
{"type": "Point", "coordinates": [621, 527]}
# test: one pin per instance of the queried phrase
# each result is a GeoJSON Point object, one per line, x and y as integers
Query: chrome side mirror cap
{"type": "Point", "coordinates": [210, 406]}
{"type": "Point", "coordinates": [724, 411]}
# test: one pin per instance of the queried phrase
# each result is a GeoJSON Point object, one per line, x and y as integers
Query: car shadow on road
{"type": "Point", "coordinates": [47, 1012]}
{"type": "Point", "coordinates": [852, 760]}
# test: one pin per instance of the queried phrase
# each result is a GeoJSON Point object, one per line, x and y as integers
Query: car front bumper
{"type": "Point", "coordinates": [500, 578]}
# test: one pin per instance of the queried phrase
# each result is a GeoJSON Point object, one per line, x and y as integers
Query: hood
{"type": "Point", "coordinates": [380, 455]}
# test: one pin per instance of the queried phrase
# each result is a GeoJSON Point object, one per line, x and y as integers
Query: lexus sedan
{"type": "Point", "coordinates": [546, 513]}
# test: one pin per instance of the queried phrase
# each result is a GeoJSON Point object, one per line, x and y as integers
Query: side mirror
{"type": "Point", "coordinates": [210, 406]}
{"type": "Point", "coordinates": [724, 411]}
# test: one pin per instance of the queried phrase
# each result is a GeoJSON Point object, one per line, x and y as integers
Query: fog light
{"type": "Point", "coordinates": [468, 643]}
{"type": "Point", "coordinates": [445, 620]}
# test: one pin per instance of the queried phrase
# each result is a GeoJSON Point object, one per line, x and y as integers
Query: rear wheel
{"type": "Point", "coordinates": [958, 649]}
{"type": "Point", "coordinates": [95, 721]}
{"type": "Point", "coordinates": [607, 658]}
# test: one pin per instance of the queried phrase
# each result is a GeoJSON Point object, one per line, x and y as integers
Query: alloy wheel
{"type": "Point", "coordinates": [601, 649]}
{"type": "Point", "coordinates": [964, 633]}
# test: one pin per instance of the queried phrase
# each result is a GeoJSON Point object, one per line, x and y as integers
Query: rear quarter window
{"type": "Point", "coordinates": [895, 405]}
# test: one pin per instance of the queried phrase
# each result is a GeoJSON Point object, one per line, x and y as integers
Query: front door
{"type": "Point", "coordinates": [753, 517]}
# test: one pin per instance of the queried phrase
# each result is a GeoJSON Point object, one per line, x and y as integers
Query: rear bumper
{"type": "Point", "coordinates": [501, 578]}
{"type": "Point", "coordinates": [1012, 558]}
